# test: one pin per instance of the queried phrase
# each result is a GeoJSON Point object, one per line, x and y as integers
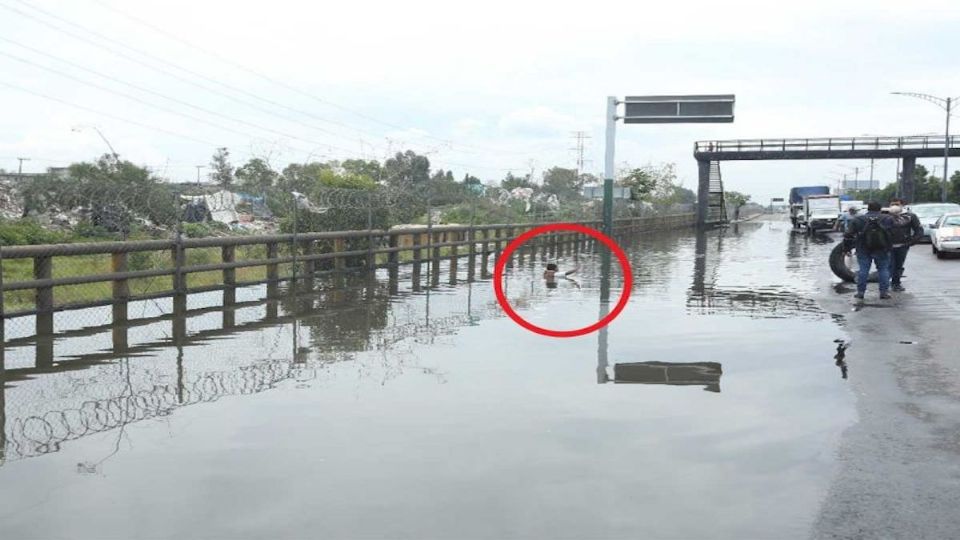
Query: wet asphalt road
{"type": "Point", "coordinates": [899, 474]}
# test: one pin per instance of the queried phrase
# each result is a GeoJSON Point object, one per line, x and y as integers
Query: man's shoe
{"type": "Point", "coordinates": [884, 296]}
{"type": "Point", "coordinates": [858, 296]}
{"type": "Point", "coordinates": [897, 287]}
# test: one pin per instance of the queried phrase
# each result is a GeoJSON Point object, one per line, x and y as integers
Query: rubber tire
{"type": "Point", "coordinates": [941, 255]}
{"type": "Point", "coordinates": [838, 265]}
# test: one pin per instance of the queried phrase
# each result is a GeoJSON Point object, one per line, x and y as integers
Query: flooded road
{"type": "Point", "coordinates": [712, 407]}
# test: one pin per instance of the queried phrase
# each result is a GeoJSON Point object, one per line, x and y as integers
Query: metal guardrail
{"type": "Point", "coordinates": [304, 250]}
{"type": "Point", "coordinates": [826, 144]}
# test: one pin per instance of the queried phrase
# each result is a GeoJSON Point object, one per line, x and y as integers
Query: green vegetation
{"type": "Point", "coordinates": [927, 188]}
{"type": "Point", "coordinates": [735, 201]}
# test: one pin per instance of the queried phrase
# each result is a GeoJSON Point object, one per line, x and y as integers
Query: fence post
{"type": "Point", "coordinates": [371, 261]}
{"type": "Point", "coordinates": [309, 266]}
{"type": "Point", "coordinates": [272, 275]}
{"type": "Point", "coordinates": [454, 251]}
{"type": "Point", "coordinates": [393, 263]}
{"type": "Point", "coordinates": [485, 254]}
{"type": "Point", "coordinates": [339, 246]}
{"type": "Point", "coordinates": [121, 293]}
{"type": "Point", "coordinates": [415, 271]}
{"type": "Point", "coordinates": [471, 254]}
{"type": "Point", "coordinates": [228, 255]}
{"type": "Point", "coordinates": [435, 260]}
{"type": "Point", "coordinates": [43, 269]}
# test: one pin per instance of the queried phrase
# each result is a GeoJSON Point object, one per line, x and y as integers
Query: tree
{"type": "Point", "coordinates": [953, 193]}
{"type": "Point", "coordinates": [652, 183]}
{"type": "Point", "coordinates": [361, 167]}
{"type": "Point", "coordinates": [406, 168]}
{"type": "Point", "coordinates": [441, 177]}
{"type": "Point", "coordinates": [222, 170]}
{"type": "Point", "coordinates": [564, 183]}
{"type": "Point", "coordinates": [471, 180]}
{"type": "Point", "coordinates": [736, 200]}
{"type": "Point", "coordinates": [256, 175]}
{"type": "Point", "coordinates": [510, 182]}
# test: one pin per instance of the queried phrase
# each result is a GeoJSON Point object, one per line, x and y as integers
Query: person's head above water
{"type": "Point", "coordinates": [552, 267]}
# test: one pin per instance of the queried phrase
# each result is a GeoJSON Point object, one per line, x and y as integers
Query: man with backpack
{"type": "Point", "coordinates": [906, 231]}
{"type": "Point", "coordinates": [870, 235]}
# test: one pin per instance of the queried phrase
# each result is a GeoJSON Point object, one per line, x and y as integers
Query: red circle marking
{"type": "Point", "coordinates": [536, 231]}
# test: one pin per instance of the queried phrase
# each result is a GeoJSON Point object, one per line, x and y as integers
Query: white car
{"type": "Point", "coordinates": [945, 235]}
{"type": "Point", "coordinates": [929, 213]}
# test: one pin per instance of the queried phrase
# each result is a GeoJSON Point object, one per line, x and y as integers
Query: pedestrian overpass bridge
{"type": "Point", "coordinates": [709, 154]}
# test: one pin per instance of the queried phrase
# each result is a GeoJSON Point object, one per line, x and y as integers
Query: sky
{"type": "Point", "coordinates": [481, 88]}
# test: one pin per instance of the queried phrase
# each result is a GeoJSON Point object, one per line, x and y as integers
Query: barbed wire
{"type": "Point", "coordinates": [37, 435]}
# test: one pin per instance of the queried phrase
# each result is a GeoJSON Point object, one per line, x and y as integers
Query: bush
{"type": "Point", "coordinates": [27, 231]}
{"type": "Point", "coordinates": [201, 230]}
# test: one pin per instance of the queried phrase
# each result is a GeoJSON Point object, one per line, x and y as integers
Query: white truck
{"type": "Point", "coordinates": [820, 212]}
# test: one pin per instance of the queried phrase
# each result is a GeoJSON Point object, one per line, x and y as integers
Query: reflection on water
{"type": "Point", "coordinates": [386, 409]}
{"type": "Point", "coordinates": [708, 295]}
{"type": "Point", "coordinates": [706, 374]}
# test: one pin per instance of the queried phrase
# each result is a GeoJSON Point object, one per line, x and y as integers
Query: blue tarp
{"type": "Point", "coordinates": [798, 193]}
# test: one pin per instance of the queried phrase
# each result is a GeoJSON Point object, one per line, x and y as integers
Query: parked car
{"type": "Point", "coordinates": [929, 213]}
{"type": "Point", "coordinates": [945, 235]}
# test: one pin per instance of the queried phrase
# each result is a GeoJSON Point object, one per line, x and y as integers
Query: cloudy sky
{"type": "Point", "coordinates": [484, 88]}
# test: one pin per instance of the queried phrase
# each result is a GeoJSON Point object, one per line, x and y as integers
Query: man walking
{"type": "Point", "coordinates": [844, 222]}
{"type": "Point", "coordinates": [906, 231]}
{"type": "Point", "coordinates": [870, 235]}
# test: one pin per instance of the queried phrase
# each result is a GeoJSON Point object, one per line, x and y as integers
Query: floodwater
{"type": "Point", "coordinates": [710, 408]}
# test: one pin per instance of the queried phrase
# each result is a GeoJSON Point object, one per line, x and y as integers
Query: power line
{"type": "Point", "coordinates": [166, 72]}
{"type": "Point", "coordinates": [171, 111]}
{"type": "Point", "coordinates": [192, 73]}
{"type": "Point", "coordinates": [282, 84]}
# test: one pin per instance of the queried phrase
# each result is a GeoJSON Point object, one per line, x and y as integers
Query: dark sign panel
{"type": "Point", "coordinates": [678, 109]}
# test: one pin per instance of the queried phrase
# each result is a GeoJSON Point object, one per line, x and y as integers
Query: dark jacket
{"type": "Point", "coordinates": [914, 231]}
{"type": "Point", "coordinates": [854, 235]}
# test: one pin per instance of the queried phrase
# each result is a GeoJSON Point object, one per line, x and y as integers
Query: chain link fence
{"type": "Point", "coordinates": [86, 207]}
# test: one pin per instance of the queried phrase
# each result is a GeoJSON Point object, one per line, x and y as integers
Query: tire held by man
{"type": "Point", "coordinates": [840, 264]}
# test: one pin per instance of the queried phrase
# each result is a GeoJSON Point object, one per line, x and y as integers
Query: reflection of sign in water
{"type": "Point", "coordinates": [706, 374]}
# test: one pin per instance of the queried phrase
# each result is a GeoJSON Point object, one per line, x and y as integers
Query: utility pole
{"type": "Point", "coordinates": [871, 179]}
{"type": "Point", "coordinates": [946, 156]}
{"type": "Point", "coordinates": [20, 169]}
{"type": "Point", "coordinates": [947, 105]}
{"type": "Point", "coordinates": [580, 136]}
{"type": "Point", "coordinates": [198, 173]}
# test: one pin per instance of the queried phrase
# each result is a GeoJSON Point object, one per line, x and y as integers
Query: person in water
{"type": "Point", "coordinates": [551, 273]}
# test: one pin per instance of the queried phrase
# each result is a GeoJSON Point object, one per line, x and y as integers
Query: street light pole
{"type": "Point", "coordinates": [20, 168]}
{"type": "Point", "coordinates": [946, 104]}
{"type": "Point", "coordinates": [608, 172]}
{"type": "Point", "coordinates": [946, 155]}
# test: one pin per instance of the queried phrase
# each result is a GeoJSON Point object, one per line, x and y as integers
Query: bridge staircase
{"type": "Point", "coordinates": [716, 206]}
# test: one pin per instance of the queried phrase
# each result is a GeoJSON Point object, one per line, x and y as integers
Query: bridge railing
{"type": "Point", "coordinates": [920, 142]}
{"type": "Point", "coordinates": [39, 280]}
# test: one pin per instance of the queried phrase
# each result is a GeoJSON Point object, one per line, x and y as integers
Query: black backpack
{"type": "Point", "coordinates": [900, 232]}
{"type": "Point", "coordinates": [876, 237]}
